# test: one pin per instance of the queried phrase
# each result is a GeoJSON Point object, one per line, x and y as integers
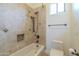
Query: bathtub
{"type": "Point", "coordinates": [30, 50]}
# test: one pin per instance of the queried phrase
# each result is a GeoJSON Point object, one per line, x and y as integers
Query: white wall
{"type": "Point", "coordinates": [61, 33]}
{"type": "Point", "coordinates": [75, 25]}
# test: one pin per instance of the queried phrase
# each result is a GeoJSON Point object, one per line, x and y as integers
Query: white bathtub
{"type": "Point", "coordinates": [30, 50]}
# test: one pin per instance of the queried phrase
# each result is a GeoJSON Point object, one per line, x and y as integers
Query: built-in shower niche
{"type": "Point", "coordinates": [20, 37]}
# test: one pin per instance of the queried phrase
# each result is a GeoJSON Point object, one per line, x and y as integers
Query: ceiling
{"type": "Point", "coordinates": [34, 5]}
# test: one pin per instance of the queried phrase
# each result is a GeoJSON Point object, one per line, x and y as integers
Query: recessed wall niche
{"type": "Point", "coordinates": [20, 37]}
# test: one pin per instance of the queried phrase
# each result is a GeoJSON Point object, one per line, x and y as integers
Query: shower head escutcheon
{"type": "Point", "coordinates": [36, 12]}
{"type": "Point", "coordinates": [32, 17]}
